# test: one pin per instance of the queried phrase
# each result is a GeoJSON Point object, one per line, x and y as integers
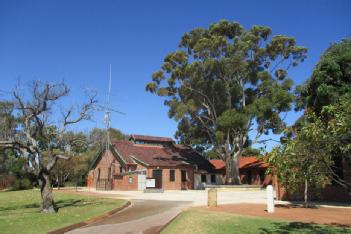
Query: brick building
{"type": "Point", "coordinates": [130, 165]}
{"type": "Point", "coordinates": [251, 169]}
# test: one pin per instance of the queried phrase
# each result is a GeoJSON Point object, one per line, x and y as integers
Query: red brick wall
{"type": "Point", "coordinates": [255, 176]}
{"type": "Point", "coordinates": [123, 183]}
{"type": "Point", "coordinates": [177, 184]}
{"type": "Point", "coordinates": [332, 193]}
{"type": "Point", "coordinates": [106, 161]}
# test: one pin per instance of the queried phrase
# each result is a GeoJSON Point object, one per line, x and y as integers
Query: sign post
{"type": "Point", "coordinates": [270, 199]}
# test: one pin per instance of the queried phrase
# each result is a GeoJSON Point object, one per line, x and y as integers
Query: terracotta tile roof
{"type": "Point", "coordinates": [150, 138]}
{"type": "Point", "coordinates": [218, 163]}
{"type": "Point", "coordinates": [152, 155]}
{"type": "Point", "coordinates": [244, 162]}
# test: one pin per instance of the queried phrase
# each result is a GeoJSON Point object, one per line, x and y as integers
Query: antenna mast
{"type": "Point", "coordinates": [107, 117]}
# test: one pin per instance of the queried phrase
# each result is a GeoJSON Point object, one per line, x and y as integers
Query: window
{"type": "Point", "coordinates": [213, 179]}
{"type": "Point", "coordinates": [262, 175]}
{"type": "Point", "coordinates": [249, 177]}
{"type": "Point", "coordinates": [98, 177]}
{"type": "Point", "coordinates": [183, 176]}
{"type": "Point", "coordinates": [203, 178]}
{"type": "Point", "coordinates": [120, 169]}
{"type": "Point", "coordinates": [109, 173]}
{"type": "Point", "coordinates": [130, 179]}
{"type": "Point", "coordinates": [172, 175]}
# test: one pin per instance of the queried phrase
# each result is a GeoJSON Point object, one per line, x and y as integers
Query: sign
{"type": "Point", "coordinates": [150, 183]}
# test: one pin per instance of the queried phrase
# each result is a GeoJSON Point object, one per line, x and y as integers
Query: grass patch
{"type": "Point", "coordinates": [196, 221]}
{"type": "Point", "coordinates": [19, 211]}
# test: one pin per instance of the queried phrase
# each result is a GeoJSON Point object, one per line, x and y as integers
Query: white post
{"type": "Point", "coordinates": [270, 199]}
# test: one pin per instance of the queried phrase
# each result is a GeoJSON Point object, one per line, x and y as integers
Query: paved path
{"type": "Point", "coordinates": [143, 216]}
{"type": "Point", "coordinates": [149, 212]}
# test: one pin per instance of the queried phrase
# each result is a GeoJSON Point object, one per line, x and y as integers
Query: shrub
{"type": "Point", "coordinates": [21, 184]}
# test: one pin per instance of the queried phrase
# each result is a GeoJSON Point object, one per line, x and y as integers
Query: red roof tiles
{"type": "Point", "coordinates": [152, 155]}
{"type": "Point", "coordinates": [218, 163]}
{"type": "Point", "coordinates": [244, 162]}
{"type": "Point", "coordinates": [150, 138]}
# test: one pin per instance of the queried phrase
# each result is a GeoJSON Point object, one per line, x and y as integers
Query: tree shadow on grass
{"type": "Point", "coordinates": [72, 203]}
{"type": "Point", "coordinates": [298, 227]}
{"type": "Point", "coordinates": [20, 207]}
{"type": "Point", "coordinates": [292, 206]}
{"type": "Point", "coordinates": [58, 205]}
{"type": "Point", "coordinates": [69, 202]}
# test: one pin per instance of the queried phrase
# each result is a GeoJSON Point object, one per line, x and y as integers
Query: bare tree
{"type": "Point", "coordinates": [41, 137]}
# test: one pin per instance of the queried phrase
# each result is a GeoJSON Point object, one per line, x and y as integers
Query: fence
{"type": "Point", "coordinates": [104, 184]}
{"type": "Point", "coordinates": [5, 181]}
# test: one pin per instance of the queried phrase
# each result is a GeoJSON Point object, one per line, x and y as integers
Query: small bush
{"type": "Point", "coordinates": [21, 184]}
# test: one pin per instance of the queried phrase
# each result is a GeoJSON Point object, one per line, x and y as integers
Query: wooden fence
{"type": "Point", "coordinates": [5, 181]}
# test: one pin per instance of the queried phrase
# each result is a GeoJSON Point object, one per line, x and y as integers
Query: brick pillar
{"type": "Point", "coordinates": [212, 197]}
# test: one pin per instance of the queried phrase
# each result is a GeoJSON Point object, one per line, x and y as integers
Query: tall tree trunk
{"type": "Point", "coordinates": [58, 182]}
{"type": "Point", "coordinates": [306, 194]}
{"type": "Point", "coordinates": [47, 204]}
{"type": "Point", "coordinates": [232, 175]}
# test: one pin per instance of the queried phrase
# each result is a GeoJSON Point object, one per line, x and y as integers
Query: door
{"type": "Point", "coordinates": [184, 179]}
{"type": "Point", "coordinates": [157, 175]}
{"type": "Point", "coordinates": [141, 181]}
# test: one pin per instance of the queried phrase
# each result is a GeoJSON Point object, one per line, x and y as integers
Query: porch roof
{"type": "Point", "coordinates": [244, 163]}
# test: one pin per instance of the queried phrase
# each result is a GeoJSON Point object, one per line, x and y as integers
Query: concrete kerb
{"type": "Point", "coordinates": [91, 220]}
{"type": "Point", "coordinates": [170, 221]}
{"type": "Point", "coordinates": [335, 205]}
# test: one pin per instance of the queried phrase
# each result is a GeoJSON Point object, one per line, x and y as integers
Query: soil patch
{"type": "Point", "coordinates": [330, 216]}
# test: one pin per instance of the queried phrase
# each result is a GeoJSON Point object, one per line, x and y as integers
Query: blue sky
{"type": "Point", "coordinates": [77, 40]}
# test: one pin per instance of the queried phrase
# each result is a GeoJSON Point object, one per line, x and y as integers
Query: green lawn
{"type": "Point", "coordinates": [19, 211]}
{"type": "Point", "coordinates": [195, 221]}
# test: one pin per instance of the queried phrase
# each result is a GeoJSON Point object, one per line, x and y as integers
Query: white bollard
{"type": "Point", "coordinates": [270, 199]}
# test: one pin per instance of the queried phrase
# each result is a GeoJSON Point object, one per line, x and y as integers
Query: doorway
{"type": "Point", "coordinates": [157, 175]}
{"type": "Point", "coordinates": [141, 181]}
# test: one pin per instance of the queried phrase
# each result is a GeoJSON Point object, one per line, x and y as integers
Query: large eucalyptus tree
{"type": "Point", "coordinates": [225, 82]}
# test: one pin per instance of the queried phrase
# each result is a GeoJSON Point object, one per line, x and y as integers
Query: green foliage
{"type": "Point", "coordinates": [225, 76]}
{"type": "Point", "coordinates": [7, 120]}
{"type": "Point", "coordinates": [251, 152]}
{"type": "Point", "coordinates": [323, 133]}
{"type": "Point", "coordinates": [226, 79]}
{"type": "Point", "coordinates": [75, 170]}
{"type": "Point", "coordinates": [337, 123]}
{"type": "Point", "coordinates": [307, 157]}
{"type": "Point", "coordinates": [310, 155]}
{"type": "Point", "coordinates": [21, 184]}
{"type": "Point", "coordinates": [331, 78]}
{"type": "Point", "coordinates": [97, 136]}
{"type": "Point", "coordinates": [14, 166]}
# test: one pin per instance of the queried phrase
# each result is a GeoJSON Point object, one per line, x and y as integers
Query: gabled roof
{"type": "Point", "coordinates": [244, 162]}
{"type": "Point", "coordinates": [158, 155]}
{"type": "Point", "coordinates": [114, 152]}
{"type": "Point", "coordinates": [150, 138]}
